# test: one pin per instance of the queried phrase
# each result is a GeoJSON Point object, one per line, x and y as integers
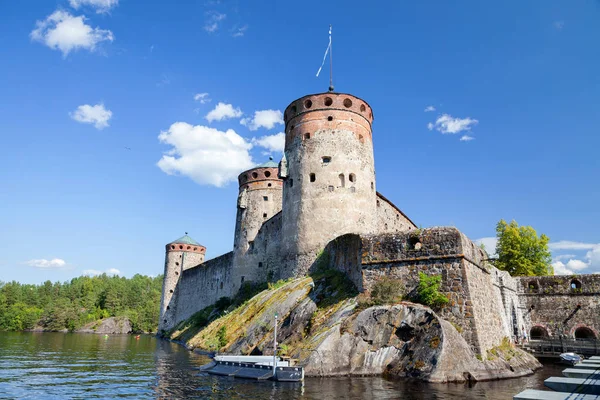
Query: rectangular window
{"type": "Point", "coordinates": [313, 177]}
{"type": "Point", "coordinates": [251, 245]}
{"type": "Point", "coordinates": [326, 160]}
{"type": "Point", "coordinates": [266, 198]}
{"type": "Point", "coordinates": [259, 265]}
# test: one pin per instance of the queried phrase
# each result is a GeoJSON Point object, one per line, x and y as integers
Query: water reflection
{"type": "Point", "coordinates": [83, 366]}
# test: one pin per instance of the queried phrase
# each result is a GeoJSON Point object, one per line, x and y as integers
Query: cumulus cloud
{"type": "Point", "coordinates": [95, 272]}
{"type": "Point", "coordinates": [223, 111]}
{"type": "Point", "coordinates": [202, 98]}
{"type": "Point", "coordinates": [448, 124]}
{"type": "Point", "coordinates": [263, 119]}
{"type": "Point", "coordinates": [570, 245]}
{"type": "Point", "coordinates": [561, 269]}
{"type": "Point", "coordinates": [204, 154]}
{"type": "Point", "coordinates": [489, 243]}
{"type": "Point", "coordinates": [47, 264]}
{"type": "Point", "coordinates": [65, 32]}
{"type": "Point", "coordinates": [213, 19]}
{"type": "Point", "coordinates": [101, 6]}
{"type": "Point", "coordinates": [590, 260]}
{"type": "Point", "coordinates": [466, 138]}
{"type": "Point", "coordinates": [274, 142]}
{"type": "Point", "coordinates": [576, 265]}
{"type": "Point", "coordinates": [239, 31]}
{"type": "Point", "coordinates": [429, 109]}
{"type": "Point", "coordinates": [97, 115]}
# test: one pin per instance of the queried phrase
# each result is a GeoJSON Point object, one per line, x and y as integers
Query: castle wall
{"type": "Point", "coordinates": [553, 305]}
{"type": "Point", "coordinates": [330, 187]}
{"type": "Point", "coordinates": [203, 285]}
{"type": "Point", "coordinates": [390, 218]}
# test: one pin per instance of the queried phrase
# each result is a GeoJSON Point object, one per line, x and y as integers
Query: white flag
{"type": "Point", "coordinates": [326, 51]}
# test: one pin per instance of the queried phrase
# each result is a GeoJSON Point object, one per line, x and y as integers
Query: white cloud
{"type": "Point", "coordinates": [274, 142]}
{"type": "Point", "coordinates": [43, 263]}
{"type": "Point", "coordinates": [65, 32]}
{"type": "Point", "coordinates": [212, 21]}
{"type": "Point", "coordinates": [97, 115]}
{"type": "Point", "coordinates": [429, 108]}
{"type": "Point", "coordinates": [593, 257]}
{"type": "Point", "coordinates": [489, 243]}
{"type": "Point", "coordinates": [202, 98]}
{"type": "Point", "coordinates": [95, 272]}
{"type": "Point", "coordinates": [466, 138]}
{"type": "Point", "coordinates": [569, 245]}
{"type": "Point", "coordinates": [101, 6]}
{"type": "Point", "coordinates": [448, 124]}
{"type": "Point", "coordinates": [576, 265]}
{"type": "Point", "coordinates": [561, 269]}
{"type": "Point", "coordinates": [564, 257]}
{"type": "Point", "coordinates": [204, 154]}
{"type": "Point", "coordinates": [239, 32]}
{"type": "Point", "coordinates": [264, 118]}
{"type": "Point", "coordinates": [223, 111]}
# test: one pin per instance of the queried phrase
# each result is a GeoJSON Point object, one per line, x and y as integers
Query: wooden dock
{"type": "Point", "coordinates": [580, 382]}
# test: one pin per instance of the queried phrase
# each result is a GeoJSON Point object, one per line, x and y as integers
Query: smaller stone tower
{"type": "Point", "coordinates": [259, 199]}
{"type": "Point", "coordinates": [181, 254]}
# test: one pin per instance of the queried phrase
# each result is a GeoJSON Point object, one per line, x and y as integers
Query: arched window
{"type": "Point", "coordinates": [575, 284]}
{"type": "Point", "coordinates": [538, 332]}
{"type": "Point", "coordinates": [532, 286]}
{"type": "Point", "coordinates": [584, 332]}
{"type": "Point", "coordinates": [352, 178]}
{"type": "Point", "coordinates": [342, 180]}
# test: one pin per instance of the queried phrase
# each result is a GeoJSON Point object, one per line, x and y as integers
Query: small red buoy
{"type": "Point", "coordinates": [137, 336]}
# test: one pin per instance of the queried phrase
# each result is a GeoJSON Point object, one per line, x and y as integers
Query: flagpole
{"type": "Point", "coordinates": [330, 61]}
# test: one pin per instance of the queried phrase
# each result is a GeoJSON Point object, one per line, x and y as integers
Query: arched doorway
{"type": "Point", "coordinates": [583, 332]}
{"type": "Point", "coordinates": [538, 332]}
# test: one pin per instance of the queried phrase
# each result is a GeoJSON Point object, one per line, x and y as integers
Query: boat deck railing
{"type": "Point", "coordinates": [555, 347]}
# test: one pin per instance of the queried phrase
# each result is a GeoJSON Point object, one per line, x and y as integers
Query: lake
{"type": "Point", "coordinates": [84, 366]}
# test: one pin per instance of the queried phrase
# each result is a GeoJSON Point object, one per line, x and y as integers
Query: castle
{"type": "Point", "coordinates": [322, 198]}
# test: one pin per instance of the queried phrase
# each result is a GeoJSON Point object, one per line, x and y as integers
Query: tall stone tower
{"type": "Point", "coordinates": [259, 199]}
{"type": "Point", "coordinates": [330, 185]}
{"type": "Point", "coordinates": [181, 254]}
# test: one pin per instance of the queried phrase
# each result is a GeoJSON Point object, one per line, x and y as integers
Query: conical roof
{"type": "Point", "coordinates": [185, 239]}
{"type": "Point", "coordinates": [268, 164]}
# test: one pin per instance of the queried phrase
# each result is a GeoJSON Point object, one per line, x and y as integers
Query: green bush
{"type": "Point", "coordinates": [387, 291]}
{"type": "Point", "coordinates": [428, 291]}
{"type": "Point", "coordinates": [222, 336]}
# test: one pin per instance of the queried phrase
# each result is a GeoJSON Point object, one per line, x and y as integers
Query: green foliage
{"type": "Point", "coordinates": [521, 252]}
{"type": "Point", "coordinates": [70, 305]}
{"type": "Point", "coordinates": [222, 336]}
{"type": "Point", "coordinates": [428, 291]}
{"type": "Point", "coordinates": [387, 291]}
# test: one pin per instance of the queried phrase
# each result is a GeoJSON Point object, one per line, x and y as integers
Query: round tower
{"type": "Point", "coordinates": [259, 199]}
{"type": "Point", "coordinates": [330, 186]}
{"type": "Point", "coordinates": [181, 254]}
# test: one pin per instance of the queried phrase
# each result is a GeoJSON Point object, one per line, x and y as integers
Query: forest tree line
{"type": "Point", "coordinates": [70, 305]}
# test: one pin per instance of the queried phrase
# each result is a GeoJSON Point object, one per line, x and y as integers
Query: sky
{"type": "Point", "coordinates": [125, 123]}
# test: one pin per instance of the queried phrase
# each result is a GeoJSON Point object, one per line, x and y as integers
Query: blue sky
{"type": "Point", "coordinates": [103, 102]}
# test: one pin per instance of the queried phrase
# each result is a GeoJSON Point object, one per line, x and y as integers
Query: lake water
{"type": "Point", "coordinates": [84, 366]}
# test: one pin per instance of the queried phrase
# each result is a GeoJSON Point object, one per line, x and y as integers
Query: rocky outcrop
{"type": "Point", "coordinates": [110, 326]}
{"type": "Point", "coordinates": [326, 329]}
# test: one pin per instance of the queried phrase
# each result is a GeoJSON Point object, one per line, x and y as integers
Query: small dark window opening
{"type": "Point", "coordinates": [168, 307]}
{"type": "Point", "coordinates": [372, 186]}
{"type": "Point", "coordinates": [331, 188]}
{"type": "Point", "coordinates": [176, 272]}
{"type": "Point", "coordinates": [330, 118]}
{"type": "Point", "coordinates": [180, 247]}
{"type": "Point", "coordinates": [326, 160]}
{"type": "Point", "coordinates": [266, 198]}
{"type": "Point", "coordinates": [347, 103]}
{"type": "Point", "coordinates": [413, 241]}
{"type": "Point", "coordinates": [195, 248]}
{"type": "Point", "coordinates": [294, 109]}
{"type": "Point", "coordinates": [328, 101]}
{"type": "Point", "coordinates": [352, 178]}
{"type": "Point", "coordinates": [532, 285]}
{"type": "Point", "coordinates": [291, 182]}
{"type": "Point", "coordinates": [243, 277]}
{"type": "Point", "coordinates": [165, 321]}
{"type": "Point", "coordinates": [269, 185]}
{"type": "Point", "coordinates": [307, 135]}
{"type": "Point", "coordinates": [267, 174]}
{"type": "Point", "coordinates": [172, 247]}
{"type": "Point", "coordinates": [575, 284]}
{"type": "Point", "coordinates": [221, 285]}
{"type": "Point", "coordinates": [259, 265]}
{"type": "Point", "coordinates": [251, 245]}
{"type": "Point", "coordinates": [264, 215]}
{"type": "Point", "coordinates": [342, 180]}
{"type": "Point", "coordinates": [313, 177]}
{"type": "Point", "coordinates": [171, 291]}
{"type": "Point", "coordinates": [378, 203]}
{"type": "Point", "coordinates": [254, 175]}
{"type": "Point", "coordinates": [362, 108]}
{"type": "Point", "coordinates": [176, 263]}
{"type": "Point", "coordinates": [308, 104]}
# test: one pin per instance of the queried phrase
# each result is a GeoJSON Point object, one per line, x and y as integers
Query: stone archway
{"type": "Point", "coordinates": [538, 332]}
{"type": "Point", "coordinates": [583, 332]}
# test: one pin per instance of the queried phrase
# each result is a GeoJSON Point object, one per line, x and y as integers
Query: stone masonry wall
{"type": "Point", "coordinates": [390, 218]}
{"type": "Point", "coordinates": [203, 285]}
{"type": "Point", "coordinates": [551, 304]}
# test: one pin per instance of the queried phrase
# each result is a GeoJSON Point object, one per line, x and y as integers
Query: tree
{"type": "Point", "coordinates": [521, 252]}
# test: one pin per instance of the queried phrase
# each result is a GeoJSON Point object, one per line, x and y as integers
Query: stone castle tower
{"type": "Point", "coordinates": [329, 185]}
{"type": "Point", "coordinates": [259, 199]}
{"type": "Point", "coordinates": [181, 254]}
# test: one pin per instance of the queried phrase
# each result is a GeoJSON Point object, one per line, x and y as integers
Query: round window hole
{"type": "Point", "coordinates": [267, 174]}
{"type": "Point", "coordinates": [362, 108]}
{"type": "Point", "coordinates": [294, 109]}
{"type": "Point", "coordinates": [328, 101]}
{"type": "Point", "coordinates": [347, 103]}
{"type": "Point", "coordinates": [254, 175]}
{"type": "Point", "coordinates": [308, 104]}
{"type": "Point", "coordinates": [330, 118]}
